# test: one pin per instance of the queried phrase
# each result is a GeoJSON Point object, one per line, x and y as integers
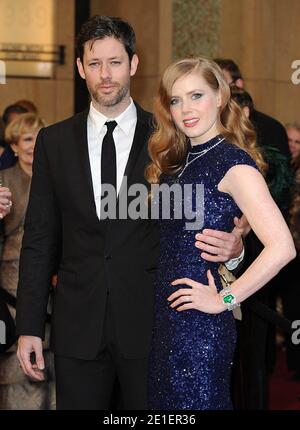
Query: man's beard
{"type": "Point", "coordinates": [110, 100]}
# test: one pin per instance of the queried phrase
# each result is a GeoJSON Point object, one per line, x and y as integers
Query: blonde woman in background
{"type": "Point", "coordinates": [17, 391]}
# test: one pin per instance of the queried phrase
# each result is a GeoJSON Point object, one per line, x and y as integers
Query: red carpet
{"type": "Point", "coordinates": [284, 393]}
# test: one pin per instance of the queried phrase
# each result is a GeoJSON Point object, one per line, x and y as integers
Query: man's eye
{"type": "Point", "coordinates": [94, 64]}
{"type": "Point", "coordinates": [116, 62]}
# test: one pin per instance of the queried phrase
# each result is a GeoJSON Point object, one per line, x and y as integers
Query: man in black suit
{"type": "Point", "coordinates": [102, 311]}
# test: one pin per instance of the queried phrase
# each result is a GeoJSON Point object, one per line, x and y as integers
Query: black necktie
{"type": "Point", "coordinates": [108, 159]}
{"type": "Point", "coordinates": [108, 156]}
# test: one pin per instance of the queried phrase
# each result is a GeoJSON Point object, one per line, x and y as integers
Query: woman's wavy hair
{"type": "Point", "coordinates": [168, 145]}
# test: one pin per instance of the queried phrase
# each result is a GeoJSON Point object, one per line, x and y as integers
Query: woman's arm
{"type": "Point", "coordinates": [250, 192]}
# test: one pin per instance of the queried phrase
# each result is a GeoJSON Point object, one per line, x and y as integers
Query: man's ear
{"type": "Point", "coordinates": [80, 68]}
{"type": "Point", "coordinates": [134, 64]}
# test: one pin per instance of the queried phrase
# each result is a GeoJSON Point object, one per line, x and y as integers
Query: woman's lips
{"type": "Point", "coordinates": [190, 122]}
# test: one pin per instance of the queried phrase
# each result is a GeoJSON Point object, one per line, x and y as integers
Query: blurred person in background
{"type": "Point", "coordinates": [28, 105]}
{"type": "Point", "coordinates": [279, 176]}
{"type": "Point", "coordinates": [11, 112]}
{"type": "Point", "coordinates": [293, 132]}
{"type": "Point", "coordinates": [269, 131]}
{"type": "Point", "coordinates": [17, 391]}
{"type": "Point", "coordinates": [7, 158]}
{"type": "Point", "coordinates": [5, 207]}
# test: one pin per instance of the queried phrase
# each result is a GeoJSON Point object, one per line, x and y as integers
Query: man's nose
{"type": "Point", "coordinates": [105, 71]}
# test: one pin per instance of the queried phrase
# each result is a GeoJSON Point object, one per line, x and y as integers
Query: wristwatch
{"type": "Point", "coordinates": [229, 299]}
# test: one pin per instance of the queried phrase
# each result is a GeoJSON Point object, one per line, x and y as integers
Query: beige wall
{"type": "Point", "coordinates": [152, 22]}
{"type": "Point", "coordinates": [263, 37]}
{"type": "Point", "coordinates": [53, 97]}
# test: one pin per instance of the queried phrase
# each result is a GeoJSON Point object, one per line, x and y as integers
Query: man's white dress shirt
{"type": "Point", "coordinates": [123, 136]}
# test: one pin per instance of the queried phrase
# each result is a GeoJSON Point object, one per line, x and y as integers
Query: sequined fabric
{"type": "Point", "coordinates": [192, 352]}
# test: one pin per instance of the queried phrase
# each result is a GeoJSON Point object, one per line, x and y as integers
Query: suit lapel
{"type": "Point", "coordinates": [86, 185]}
{"type": "Point", "coordinates": [140, 139]}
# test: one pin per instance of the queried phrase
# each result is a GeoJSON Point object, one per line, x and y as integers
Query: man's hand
{"type": "Point", "coordinates": [242, 227]}
{"type": "Point", "coordinates": [220, 245]}
{"type": "Point", "coordinates": [5, 201]}
{"type": "Point", "coordinates": [26, 346]}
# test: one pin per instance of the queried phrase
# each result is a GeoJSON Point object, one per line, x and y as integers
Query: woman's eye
{"type": "Point", "coordinates": [174, 102]}
{"type": "Point", "coordinates": [197, 96]}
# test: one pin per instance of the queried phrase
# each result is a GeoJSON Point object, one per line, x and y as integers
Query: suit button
{"type": "Point", "coordinates": [108, 257]}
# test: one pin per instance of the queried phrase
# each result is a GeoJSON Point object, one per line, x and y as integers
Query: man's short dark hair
{"type": "Point", "coordinates": [242, 98]}
{"type": "Point", "coordinates": [231, 67]}
{"type": "Point", "coordinates": [99, 27]}
{"type": "Point", "coordinates": [12, 109]}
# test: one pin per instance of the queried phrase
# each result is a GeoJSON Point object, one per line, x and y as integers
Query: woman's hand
{"type": "Point", "coordinates": [204, 298]}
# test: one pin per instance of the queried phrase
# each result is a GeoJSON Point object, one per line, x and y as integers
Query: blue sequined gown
{"type": "Point", "coordinates": [192, 352]}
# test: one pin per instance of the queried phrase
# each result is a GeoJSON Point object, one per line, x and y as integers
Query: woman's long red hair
{"type": "Point", "coordinates": [168, 145]}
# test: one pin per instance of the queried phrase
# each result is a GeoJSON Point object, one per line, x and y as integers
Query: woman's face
{"type": "Point", "coordinates": [294, 142]}
{"type": "Point", "coordinates": [25, 147]}
{"type": "Point", "coordinates": [195, 108]}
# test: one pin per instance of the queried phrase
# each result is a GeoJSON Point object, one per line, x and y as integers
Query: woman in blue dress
{"type": "Point", "coordinates": [202, 137]}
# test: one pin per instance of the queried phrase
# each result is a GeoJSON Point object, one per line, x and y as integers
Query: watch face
{"type": "Point", "coordinates": [228, 299]}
